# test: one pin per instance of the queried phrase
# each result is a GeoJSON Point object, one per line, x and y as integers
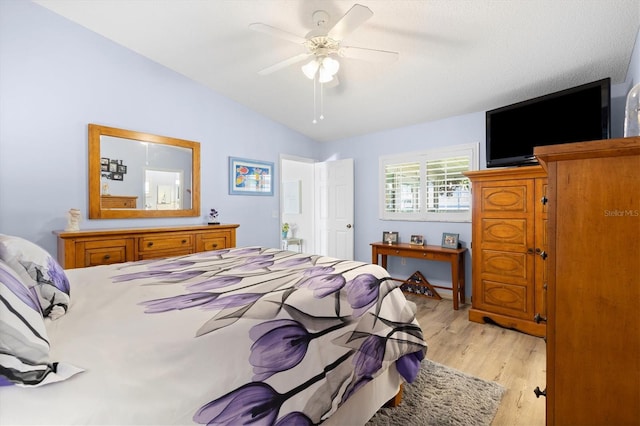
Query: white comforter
{"type": "Point", "coordinates": [240, 336]}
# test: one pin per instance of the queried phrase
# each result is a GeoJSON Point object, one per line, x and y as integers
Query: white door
{"type": "Point", "coordinates": [334, 212]}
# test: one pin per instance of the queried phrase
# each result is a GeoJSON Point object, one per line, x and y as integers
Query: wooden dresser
{"type": "Point", "coordinates": [509, 247]}
{"type": "Point", "coordinates": [593, 326]}
{"type": "Point", "coordinates": [79, 249]}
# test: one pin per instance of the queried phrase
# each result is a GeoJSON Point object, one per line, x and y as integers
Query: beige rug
{"type": "Point", "coordinates": [443, 396]}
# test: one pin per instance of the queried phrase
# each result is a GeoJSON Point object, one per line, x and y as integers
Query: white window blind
{"type": "Point", "coordinates": [402, 187]}
{"type": "Point", "coordinates": [428, 185]}
{"type": "Point", "coordinates": [448, 190]}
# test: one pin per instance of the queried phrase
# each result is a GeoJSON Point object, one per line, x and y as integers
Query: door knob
{"type": "Point", "coordinates": [348, 226]}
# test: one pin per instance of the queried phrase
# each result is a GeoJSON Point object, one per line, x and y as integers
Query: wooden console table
{"type": "Point", "coordinates": [454, 256]}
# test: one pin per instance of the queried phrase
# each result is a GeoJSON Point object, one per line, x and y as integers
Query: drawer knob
{"type": "Point", "coordinates": [214, 245]}
{"type": "Point", "coordinates": [539, 318]}
{"type": "Point", "coordinates": [150, 244]}
{"type": "Point", "coordinates": [184, 241]}
{"type": "Point", "coordinates": [107, 257]}
{"type": "Point", "coordinates": [541, 253]}
{"type": "Point", "coordinates": [540, 393]}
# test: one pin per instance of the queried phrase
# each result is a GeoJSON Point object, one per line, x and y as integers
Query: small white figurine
{"type": "Point", "coordinates": [73, 223]}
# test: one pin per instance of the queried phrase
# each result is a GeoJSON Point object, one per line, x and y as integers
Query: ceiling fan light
{"type": "Point", "coordinates": [331, 65]}
{"type": "Point", "coordinates": [310, 69]}
{"type": "Point", "coordinates": [324, 76]}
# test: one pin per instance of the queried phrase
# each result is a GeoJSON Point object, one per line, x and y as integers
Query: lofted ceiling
{"type": "Point", "coordinates": [455, 56]}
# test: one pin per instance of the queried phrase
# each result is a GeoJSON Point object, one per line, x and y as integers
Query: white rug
{"type": "Point", "coordinates": [443, 396]}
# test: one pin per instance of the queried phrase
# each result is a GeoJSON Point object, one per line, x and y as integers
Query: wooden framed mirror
{"type": "Point", "coordinates": [140, 175]}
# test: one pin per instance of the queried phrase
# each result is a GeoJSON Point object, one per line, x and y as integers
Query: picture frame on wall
{"type": "Point", "coordinates": [104, 161]}
{"type": "Point", "coordinates": [450, 240]}
{"type": "Point", "coordinates": [417, 240]}
{"type": "Point", "coordinates": [390, 237]}
{"type": "Point", "coordinates": [250, 177]}
{"type": "Point", "coordinates": [117, 176]}
{"type": "Point", "coordinates": [113, 166]}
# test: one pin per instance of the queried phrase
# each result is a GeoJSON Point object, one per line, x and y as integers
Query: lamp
{"type": "Point", "coordinates": [324, 68]}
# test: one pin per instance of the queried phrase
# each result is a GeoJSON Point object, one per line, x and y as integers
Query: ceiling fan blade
{"type": "Point", "coordinates": [351, 20]}
{"type": "Point", "coordinates": [282, 64]}
{"type": "Point", "coordinates": [277, 32]}
{"type": "Point", "coordinates": [371, 55]}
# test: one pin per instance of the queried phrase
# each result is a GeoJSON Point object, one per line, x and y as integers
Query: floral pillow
{"type": "Point", "coordinates": [24, 344]}
{"type": "Point", "coordinates": [40, 271]}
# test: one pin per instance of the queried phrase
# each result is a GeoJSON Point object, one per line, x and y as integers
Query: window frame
{"type": "Point", "coordinates": [470, 150]}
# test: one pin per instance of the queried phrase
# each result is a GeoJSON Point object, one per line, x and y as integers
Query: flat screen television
{"type": "Point", "coordinates": [581, 113]}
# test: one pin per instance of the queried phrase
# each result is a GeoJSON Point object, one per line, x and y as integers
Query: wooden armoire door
{"type": "Point", "coordinates": [593, 329]}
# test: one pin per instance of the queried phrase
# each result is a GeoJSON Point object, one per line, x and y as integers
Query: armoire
{"type": "Point", "coordinates": [593, 286]}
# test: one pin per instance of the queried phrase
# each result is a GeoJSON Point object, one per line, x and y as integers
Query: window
{"type": "Point", "coordinates": [428, 185]}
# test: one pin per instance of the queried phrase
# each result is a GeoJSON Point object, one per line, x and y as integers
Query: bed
{"type": "Point", "coordinates": [250, 335]}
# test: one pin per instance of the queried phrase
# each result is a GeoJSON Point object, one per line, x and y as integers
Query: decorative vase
{"type": "Point", "coordinates": [284, 234]}
{"type": "Point", "coordinates": [632, 112]}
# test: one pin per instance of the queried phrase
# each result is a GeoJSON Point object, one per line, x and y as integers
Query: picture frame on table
{"type": "Point", "coordinates": [389, 237]}
{"type": "Point", "coordinates": [417, 240]}
{"type": "Point", "coordinates": [250, 177]}
{"type": "Point", "coordinates": [450, 240]}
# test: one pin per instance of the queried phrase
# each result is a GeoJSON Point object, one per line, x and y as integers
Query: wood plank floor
{"type": "Point", "coordinates": [515, 360]}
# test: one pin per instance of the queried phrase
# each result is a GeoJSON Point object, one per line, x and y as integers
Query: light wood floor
{"type": "Point", "coordinates": [515, 360]}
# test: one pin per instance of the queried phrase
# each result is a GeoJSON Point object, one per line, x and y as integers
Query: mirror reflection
{"type": "Point", "coordinates": [134, 174]}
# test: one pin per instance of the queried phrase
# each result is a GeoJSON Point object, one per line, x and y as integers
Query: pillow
{"type": "Point", "coordinates": [36, 267]}
{"type": "Point", "coordinates": [24, 344]}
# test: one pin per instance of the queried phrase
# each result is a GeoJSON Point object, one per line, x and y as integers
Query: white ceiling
{"type": "Point", "coordinates": [455, 56]}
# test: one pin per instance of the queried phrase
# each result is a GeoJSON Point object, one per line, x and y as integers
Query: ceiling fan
{"type": "Point", "coordinates": [323, 45]}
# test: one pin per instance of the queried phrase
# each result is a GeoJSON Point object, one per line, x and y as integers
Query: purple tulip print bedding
{"type": "Point", "coordinates": [245, 336]}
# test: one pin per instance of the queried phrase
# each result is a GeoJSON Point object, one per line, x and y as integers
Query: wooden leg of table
{"type": "Point", "coordinates": [384, 261]}
{"type": "Point", "coordinates": [455, 282]}
{"type": "Point", "coordinates": [461, 277]}
{"type": "Point", "coordinates": [374, 257]}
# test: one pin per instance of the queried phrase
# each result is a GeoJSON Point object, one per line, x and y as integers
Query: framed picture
{"type": "Point", "coordinates": [104, 161]}
{"type": "Point", "coordinates": [104, 167]}
{"type": "Point", "coordinates": [417, 240]}
{"type": "Point", "coordinates": [122, 169]}
{"type": "Point", "coordinates": [250, 177]}
{"type": "Point", "coordinates": [113, 166]}
{"type": "Point", "coordinates": [390, 237]}
{"type": "Point", "coordinates": [117, 176]}
{"type": "Point", "coordinates": [450, 240]}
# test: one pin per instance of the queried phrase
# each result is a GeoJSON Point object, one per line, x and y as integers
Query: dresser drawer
{"type": "Point", "coordinates": [154, 254]}
{"type": "Point", "coordinates": [213, 241]}
{"type": "Point", "coordinates": [160, 242]}
{"type": "Point", "coordinates": [105, 252]}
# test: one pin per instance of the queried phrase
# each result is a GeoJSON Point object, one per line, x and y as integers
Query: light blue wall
{"type": "Point", "coordinates": [56, 77]}
{"type": "Point", "coordinates": [366, 150]}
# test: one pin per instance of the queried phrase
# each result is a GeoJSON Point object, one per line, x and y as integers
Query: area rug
{"type": "Point", "coordinates": [443, 396]}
